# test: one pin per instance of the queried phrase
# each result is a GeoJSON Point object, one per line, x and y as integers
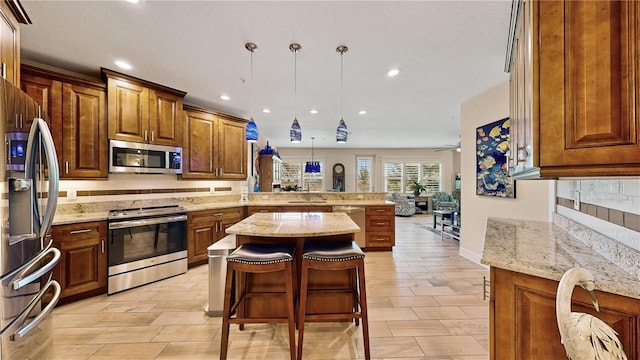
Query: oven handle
{"type": "Point", "coordinates": [151, 221]}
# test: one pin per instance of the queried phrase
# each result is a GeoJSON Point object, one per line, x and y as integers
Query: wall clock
{"type": "Point", "coordinates": [338, 177]}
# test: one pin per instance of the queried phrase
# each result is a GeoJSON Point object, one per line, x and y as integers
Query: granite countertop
{"type": "Point", "coordinates": [545, 250]}
{"type": "Point", "coordinates": [295, 224]}
{"type": "Point", "coordinates": [86, 215]}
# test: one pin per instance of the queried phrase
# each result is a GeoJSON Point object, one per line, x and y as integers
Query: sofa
{"type": "Point", "coordinates": [444, 201]}
{"type": "Point", "coordinates": [405, 204]}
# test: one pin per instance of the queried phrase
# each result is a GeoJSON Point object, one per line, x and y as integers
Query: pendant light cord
{"type": "Point", "coordinates": [341, 88]}
{"type": "Point", "coordinates": [295, 84]}
{"type": "Point", "coordinates": [251, 98]}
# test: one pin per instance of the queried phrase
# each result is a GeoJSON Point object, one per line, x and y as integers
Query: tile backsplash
{"type": "Point", "coordinates": [615, 196]}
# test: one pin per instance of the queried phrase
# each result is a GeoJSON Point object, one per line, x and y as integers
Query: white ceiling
{"type": "Point", "coordinates": [447, 51]}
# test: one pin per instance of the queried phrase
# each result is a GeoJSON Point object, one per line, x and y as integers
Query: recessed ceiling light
{"type": "Point", "coordinates": [362, 112]}
{"type": "Point", "coordinates": [313, 111]}
{"type": "Point", "coordinates": [393, 72]}
{"type": "Point", "coordinates": [225, 97]}
{"type": "Point", "coordinates": [133, 1]}
{"type": "Point", "coordinates": [266, 111]}
{"type": "Point", "coordinates": [123, 64]}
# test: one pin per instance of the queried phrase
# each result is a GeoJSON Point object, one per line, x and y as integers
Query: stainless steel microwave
{"type": "Point", "coordinates": [140, 158]}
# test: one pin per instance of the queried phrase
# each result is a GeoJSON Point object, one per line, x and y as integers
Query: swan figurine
{"type": "Point", "coordinates": [584, 336]}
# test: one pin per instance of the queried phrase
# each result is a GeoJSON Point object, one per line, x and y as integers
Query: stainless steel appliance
{"type": "Point", "coordinates": [146, 245]}
{"type": "Point", "coordinates": [217, 253]}
{"type": "Point", "coordinates": [16, 146]}
{"type": "Point", "coordinates": [357, 214]}
{"type": "Point", "coordinates": [132, 157]}
{"type": "Point", "coordinates": [29, 200]}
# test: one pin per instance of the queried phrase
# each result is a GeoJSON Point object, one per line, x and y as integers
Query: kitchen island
{"type": "Point", "coordinates": [297, 228]}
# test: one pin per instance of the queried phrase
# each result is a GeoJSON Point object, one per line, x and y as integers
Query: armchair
{"type": "Point", "coordinates": [444, 201]}
{"type": "Point", "coordinates": [405, 204]}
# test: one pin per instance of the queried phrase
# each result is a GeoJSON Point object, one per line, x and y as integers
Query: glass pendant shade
{"type": "Point", "coordinates": [251, 131]}
{"type": "Point", "coordinates": [342, 133]}
{"type": "Point", "coordinates": [312, 167]}
{"type": "Point", "coordinates": [295, 133]}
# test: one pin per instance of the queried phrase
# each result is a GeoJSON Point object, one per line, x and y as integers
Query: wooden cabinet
{"type": "Point", "coordinates": [141, 111]}
{"type": "Point", "coordinates": [82, 270]}
{"type": "Point", "coordinates": [575, 89]}
{"type": "Point", "coordinates": [214, 146]}
{"type": "Point", "coordinates": [380, 227]}
{"type": "Point", "coordinates": [10, 40]}
{"type": "Point", "coordinates": [269, 172]}
{"type": "Point", "coordinates": [523, 322]}
{"type": "Point", "coordinates": [75, 109]}
{"type": "Point", "coordinates": [206, 227]}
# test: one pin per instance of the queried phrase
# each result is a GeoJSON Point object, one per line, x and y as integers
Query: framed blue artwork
{"type": "Point", "coordinates": [492, 169]}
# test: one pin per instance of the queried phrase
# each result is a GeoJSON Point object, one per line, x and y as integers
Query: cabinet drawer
{"type": "Point", "coordinates": [74, 232]}
{"type": "Point", "coordinates": [200, 217]}
{"type": "Point", "coordinates": [229, 214]}
{"type": "Point", "coordinates": [380, 223]}
{"type": "Point", "coordinates": [379, 239]}
{"type": "Point", "coordinates": [381, 210]}
{"type": "Point", "coordinates": [261, 209]}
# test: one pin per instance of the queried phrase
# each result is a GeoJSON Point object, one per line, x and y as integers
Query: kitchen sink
{"type": "Point", "coordinates": [307, 201]}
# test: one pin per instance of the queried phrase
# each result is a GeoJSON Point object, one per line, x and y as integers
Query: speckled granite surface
{"type": "Point", "coordinates": [546, 250]}
{"type": "Point", "coordinates": [295, 224]}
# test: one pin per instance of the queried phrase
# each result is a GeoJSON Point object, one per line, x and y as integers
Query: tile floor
{"type": "Point", "coordinates": [425, 302]}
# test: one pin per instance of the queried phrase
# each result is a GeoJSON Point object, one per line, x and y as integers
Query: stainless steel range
{"type": "Point", "coordinates": [146, 245]}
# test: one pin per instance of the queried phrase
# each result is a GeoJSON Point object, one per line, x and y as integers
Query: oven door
{"type": "Point", "coordinates": [140, 239]}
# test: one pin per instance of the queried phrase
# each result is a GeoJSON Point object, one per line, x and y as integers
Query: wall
{"type": "Point", "coordinates": [534, 198]}
{"type": "Point", "coordinates": [347, 156]}
{"type": "Point", "coordinates": [609, 206]}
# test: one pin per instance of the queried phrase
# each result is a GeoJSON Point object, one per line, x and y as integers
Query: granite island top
{"type": "Point", "coordinates": [78, 214]}
{"type": "Point", "coordinates": [295, 224]}
{"type": "Point", "coordinates": [545, 250]}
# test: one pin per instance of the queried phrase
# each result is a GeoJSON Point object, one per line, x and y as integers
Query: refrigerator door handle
{"type": "Point", "coordinates": [19, 321]}
{"type": "Point", "coordinates": [26, 280]}
{"type": "Point", "coordinates": [40, 134]}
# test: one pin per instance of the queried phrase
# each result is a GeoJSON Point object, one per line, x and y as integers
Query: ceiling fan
{"type": "Point", "coordinates": [450, 147]}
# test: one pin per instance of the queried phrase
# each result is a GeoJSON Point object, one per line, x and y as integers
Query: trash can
{"type": "Point", "coordinates": [218, 253]}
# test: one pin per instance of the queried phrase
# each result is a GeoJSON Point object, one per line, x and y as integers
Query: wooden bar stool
{"type": "Point", "coordinates": [258, 258]}
{"type": "Point", "coordinates": [342, 255]}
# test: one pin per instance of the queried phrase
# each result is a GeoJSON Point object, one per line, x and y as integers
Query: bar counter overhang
{"type": "Point", "coordinates": [297, 227]}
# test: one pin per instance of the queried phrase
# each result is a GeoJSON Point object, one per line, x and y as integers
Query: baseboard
{"type": "Point", "coordinates": [471, 256]}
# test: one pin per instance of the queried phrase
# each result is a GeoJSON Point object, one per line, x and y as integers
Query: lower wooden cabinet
{"type": "Point", "coordinates": [380, 227]}
{"type": "Point", "coordinates": [82, 270]}
{"type": "Point", "coordinates": [205, 227]}
{"type": "Point", "coordinates": [523, 321]}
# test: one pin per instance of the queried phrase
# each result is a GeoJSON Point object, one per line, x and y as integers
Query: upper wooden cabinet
{"type": "Point", "coordinates": [574, 70]}
{"type": "Point", "coordinates": [75, 109]}
{"type": "Point", "coordinates": [214, 146]}
{"type": "Point", "coordinates": [142, 111]}
{"type": "Point", "coordinates": [11, 14]}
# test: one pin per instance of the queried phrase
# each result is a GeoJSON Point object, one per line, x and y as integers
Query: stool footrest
{"type": "Point", "coordinates": [258, 320]}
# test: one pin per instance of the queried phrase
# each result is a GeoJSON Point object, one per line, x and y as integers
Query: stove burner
{"type": "Point", "coordinates": [145, 212]}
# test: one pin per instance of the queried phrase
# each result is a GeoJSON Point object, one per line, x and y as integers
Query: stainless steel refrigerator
{"type": "Point", "coordinates": [29, 183]}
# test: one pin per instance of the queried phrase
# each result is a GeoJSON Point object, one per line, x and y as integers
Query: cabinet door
{"type": "Point", "coordinates": [198, 150]}
{"type": "Point", "coordinates": [232, 150]}
{"type": "Point", "coordinates": [589, 80]}
{"type": "Point", "coordinates": [128, 111]}
{"type": "Point", "coordinates": [9, 46]}
{"type": "Point", "coordinates": [83, 264]}
{"type": "Point", "coordinates": [84, 149]}
{"type": "Point", "coordinates": [165, 118]}
{"type": "Point", "coordinates": [202, 233]}
{"type": "Point", "coordinates": [47, 93]}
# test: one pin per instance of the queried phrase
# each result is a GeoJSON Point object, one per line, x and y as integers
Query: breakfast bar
{"type": "Point", "coordinates": [296, 228]}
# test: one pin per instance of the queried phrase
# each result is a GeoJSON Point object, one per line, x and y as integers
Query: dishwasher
{"type": "Point", "coordinates": [357, 214]}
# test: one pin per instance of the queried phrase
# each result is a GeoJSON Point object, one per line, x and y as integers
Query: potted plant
{"type": "Point", "coordinates": [417, 188]}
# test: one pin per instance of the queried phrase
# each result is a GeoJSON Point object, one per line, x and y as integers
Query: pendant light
{"type": "Point", "coordinates": [251, 131]}
{"type": "Point", "coordinates": [295, 133]}
{"type": "Point", "coordinates": [312, 166]}
{"type": "Point", "coordinates": [341, 132]}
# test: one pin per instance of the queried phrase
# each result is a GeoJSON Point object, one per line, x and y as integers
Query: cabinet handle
{"type": "Point", "coordinates": [17, 127]}
{"type": "Point", "coordinates": [202, 230]}
{"type": "Point", "coordinates": [145, 135]}
{"type": "Point", "coordinates": [21, 124]}
{"type": "Point", "coordinates": [221, 172]}
{"type": "Point", "coordinates": [380, 210]}
{"type": "Point", "coordinates": [102, 246]}
{"type": "Point", "coordinates": [4, 70]}
{"type": "Point", "coordinates": [218, 214]}
{"type": "Point", "coordinates": [381, 239]}
{"type": "Point", "coordinates": [153, 137]}
{"type": "Point", "coordinates": [76, 232]}
{"type": "Point", "coordinates": [380, 223]}
{"type": "Point", "coordinates": [66, 167]}
{"type": "Point", "coordinates": [264, 211]}
{"type": "Point", "coordinates": [217, 227]}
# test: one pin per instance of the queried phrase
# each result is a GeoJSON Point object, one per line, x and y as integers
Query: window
{"type": "Point", "coordinates": [293, 174]}
{"type": "Point", "coordinates": [364, 174]}
{"type": "Point", "coordinates": [399, 175]}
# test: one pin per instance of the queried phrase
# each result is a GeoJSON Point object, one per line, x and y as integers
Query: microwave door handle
{"type": "Point", "coordinates": [40, 134]}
